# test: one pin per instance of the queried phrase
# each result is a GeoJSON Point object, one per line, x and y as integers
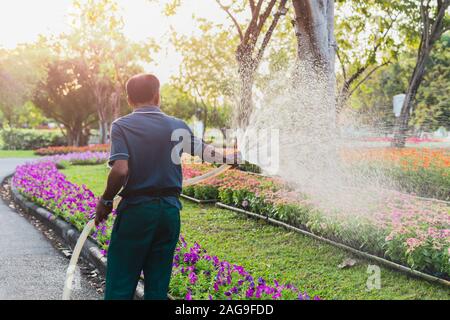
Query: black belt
{"type": "Point", "coordinates": [152, 192]}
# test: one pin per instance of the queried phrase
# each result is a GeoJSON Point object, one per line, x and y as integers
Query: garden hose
{"type": "Point", "coordinates": [68, 285]}
{"type": "Point", "coordinates": [74, 259]}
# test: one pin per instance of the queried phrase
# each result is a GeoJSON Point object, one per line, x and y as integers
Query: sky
{"type": "Point", "coordinates": [22, 21]}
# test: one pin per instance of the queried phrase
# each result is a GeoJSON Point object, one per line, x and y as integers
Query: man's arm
{"type": "Point", "coordinates": [118, 161]}
{"type": "Point", "coordinates": [116, 180]}
{"type": "Point", "coordinates": [214, 155]}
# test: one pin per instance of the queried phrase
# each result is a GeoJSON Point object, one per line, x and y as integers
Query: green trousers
{"type": "Point", "coordinates": [143, 239]}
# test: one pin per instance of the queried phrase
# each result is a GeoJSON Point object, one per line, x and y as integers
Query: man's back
{"type": "Point", "coordinates": [146, 148]}
{"type": "Point", "coordinates": [144, 138]}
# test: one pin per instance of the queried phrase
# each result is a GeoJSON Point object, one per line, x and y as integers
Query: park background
{"type": "Point", "coordinates": [62, 78]}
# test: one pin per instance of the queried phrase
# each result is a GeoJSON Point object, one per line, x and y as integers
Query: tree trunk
{"type": "Point", "coordinates": [103, 103]}
{"type": "Point", "coordinates": [433, 27]}
{"type": "Point", "coordinates": [103, 133]}
{"type": "Point", "coordinates": [314, 29]}
{"type": "Point", "coordinates": [245, 109]}
{"type": "Point", "coordinates": [249, 52]}
{"type": "Point", "coordinates": [401, 124]}
{"type": "Point", "coordinates": [75, 135]}
{"type": "Point", "coordinates": [314, 26]}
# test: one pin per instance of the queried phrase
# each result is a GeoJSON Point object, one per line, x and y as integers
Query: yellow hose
{"type": "Point", "coordinates": [91, 224]}
{"type": "Point", "coordinates": [74, 259]}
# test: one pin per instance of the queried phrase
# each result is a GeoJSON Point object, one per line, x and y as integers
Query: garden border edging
{"type": "Point", "coordinates": [366, 255]}
{"type": "Point", "coordinates": [67, 232]}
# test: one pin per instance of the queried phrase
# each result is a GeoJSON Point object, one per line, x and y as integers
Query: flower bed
{"type": "Point", "coordinates": [413, 140]}
{"type": "Point", "coordinates": [195, 270]}
{"type": "Point", "coordinates": [51, 151]}
{"type": "Point", "coordinates": [196, 274]}
{"type": "Point", "coordinates": [82, 158]}
{"type": "Point", "coordinates": [425, 172]}
{"type": "Point", "coordinates": [403, 228]}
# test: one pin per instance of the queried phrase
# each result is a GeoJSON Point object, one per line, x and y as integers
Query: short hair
{"type": "Point", "coordinates": [143, 88]}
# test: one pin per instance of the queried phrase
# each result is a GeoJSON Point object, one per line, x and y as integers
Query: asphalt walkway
{"type": "Point", "coordinates": [30, 267]}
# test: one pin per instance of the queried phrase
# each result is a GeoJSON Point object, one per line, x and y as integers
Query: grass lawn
{"type": "Point", "coordinates": [275, 253]}
{"type": "Point", "coordinates": [17, 154]}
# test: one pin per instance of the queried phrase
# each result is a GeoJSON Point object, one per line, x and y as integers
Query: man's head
{"type": "Point", "coordinates": [143, 90]}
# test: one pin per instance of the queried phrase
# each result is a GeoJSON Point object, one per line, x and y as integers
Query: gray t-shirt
{"type": "Point", "coordinates": [152, 142]}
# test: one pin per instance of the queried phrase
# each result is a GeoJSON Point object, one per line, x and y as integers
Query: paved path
{"type": "Point", "coordinates": [30, 267]}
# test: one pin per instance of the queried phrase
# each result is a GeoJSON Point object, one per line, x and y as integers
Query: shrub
{"type": "Point", "coordinates": [205, 192]}
{"type": "Point", "coordinates": [51, 151]}
{"type": "Point", "coordinates": [189, 191]}
{"type": "Point", "coordinates": [250, 167]}
{"type": "Point", "coordinates": [29, 139]}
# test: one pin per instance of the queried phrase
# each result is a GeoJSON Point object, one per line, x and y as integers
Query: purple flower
{"type": "Point", "coordinates": [193, 278]}
{"type": "Point", "coordinates": [43, 183]}
{"type": "Point", "coordinates": [250, 292]}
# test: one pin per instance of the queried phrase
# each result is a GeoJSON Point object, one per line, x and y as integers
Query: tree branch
{"type": "Point", "coordinates": [424, 13]}
{"type": "Point", "coordinates": [266, 13]}
{"type": "Point", "coordinates": [437, 28]}
{"type": "Point", "coordinates": [341, 62]}
{"type": "Point", "coordinates": [252, 6]}
{"type": "Point", "coordinates": [253, 23]}
{"type": "Point", "coordinates": [368, 75]}
{"type": "Point", "coordinates": [386, 32]}
{"type": "Point", "coordinates": [270, 31]}
{"type": "Point", "coordinates": [235, 22]}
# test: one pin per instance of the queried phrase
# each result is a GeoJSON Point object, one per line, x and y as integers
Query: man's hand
{"type": "Point", "coordinates": [234, 159]}
{"type": "Point", "coordinates": [101, 212]}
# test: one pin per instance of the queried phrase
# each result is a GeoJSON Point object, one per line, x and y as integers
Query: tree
{"type": "Point", "coordinates": [254, 34]}
{"type": "Point", "coordinates": [207, 71]}
{"type": "Point", "coordinates": [373, 99]}
{"type": "Point", "coordinates": [365, 42]}
{"type": "Point", "coordinates": [177, 102]}
{"type": "Point", "coordinates": [432, 108]}
{"type": "Point", "coordinates": [97, 36]}
{"type": "Point", "coordinates": [314, 30]}
{"type": "Point", "coordinates": [254, 39]}
{"type": "Point", "coordinates": [433, 23]}
{"type": "Point", "coordinates": [65, 95]}
{"type": "Point", "coordinates": [20, 70]}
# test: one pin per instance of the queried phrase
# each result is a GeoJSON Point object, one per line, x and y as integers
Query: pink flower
{"type": "Point", "coordinates": [412, 244]}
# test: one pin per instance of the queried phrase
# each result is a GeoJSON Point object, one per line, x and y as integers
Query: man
{"type": "Point", "coordinates": [146, 147]}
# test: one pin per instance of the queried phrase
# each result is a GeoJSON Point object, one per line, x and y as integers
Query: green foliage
{"type": "Point", "coordinates": [29, 139]}
{"type": "Point", "coordinates": [373, 99]}
{"type": "Point", "coordinates": [366, 39]}
{"type": "Point", "coordinates": [205, 192]}
{"type": "Point", "coordinates": [250, 167]}
{"type": "Point", "coordinates": [66, 96]}
{"type": "Point", "coordinates": [21, 69]}
{"type": "Point", "coordinates": [63, 164]}
{"type": "Point", "coordinates": [208, 72]}
{"type": "Point", "coordinates": [98, 37]}
{"type": "Point", "coordinates": [426, 182]}
{"type": "Point", "coordinates": [189, 191]}
{"type": "Point", "coordinates": [433, 101]}
{"type": "Point", "coordinates": [177, 103]}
